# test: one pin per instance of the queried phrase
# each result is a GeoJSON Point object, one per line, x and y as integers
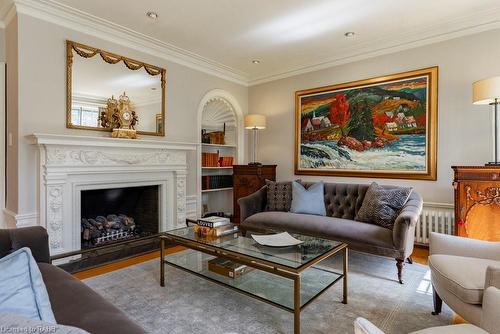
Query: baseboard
{"type": "Point", "coordinates": [13, 219]}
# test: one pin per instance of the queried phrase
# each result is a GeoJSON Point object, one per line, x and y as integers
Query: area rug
{"type": "Point", "coordinates": [189, 304]}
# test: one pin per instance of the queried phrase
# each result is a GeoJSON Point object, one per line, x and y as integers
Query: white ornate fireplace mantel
{"type": "Point", "coordinates": [69, 165]}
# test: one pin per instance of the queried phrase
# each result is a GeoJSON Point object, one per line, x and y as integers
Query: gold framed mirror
{"type": "Point", "coordinates": [92, 82]}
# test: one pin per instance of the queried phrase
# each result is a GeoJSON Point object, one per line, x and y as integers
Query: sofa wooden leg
{"type": "Point", "coordinates": [400, 264]}
{"type": "Point", "coordinates": [409, 260]}
{"type": "Point", "coordinates": [438, 302]}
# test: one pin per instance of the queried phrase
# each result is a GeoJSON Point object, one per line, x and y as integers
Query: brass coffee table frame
{"type": "Point", "coordinates": [260, 264]}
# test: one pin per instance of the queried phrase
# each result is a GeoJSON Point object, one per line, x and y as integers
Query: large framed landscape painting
{"type": "Point", "coordinates": [380, 127]}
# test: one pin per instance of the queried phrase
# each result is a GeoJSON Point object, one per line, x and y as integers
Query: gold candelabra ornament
{"type": "Point", "coordinates": [120, 116]}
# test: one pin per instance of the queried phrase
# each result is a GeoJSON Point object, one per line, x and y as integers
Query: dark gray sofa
{"type": "Point", "coordinates": [73, 302]}
{"type": "Point", "coordinates": [342, 202]}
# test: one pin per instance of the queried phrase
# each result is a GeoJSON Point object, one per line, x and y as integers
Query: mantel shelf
{"type": "Point", "coordinates": [216, 189]}
{"type": "Point", "coordinates": [218, 145]}
{"type": "Point", "coordinates": [229, 167]}
{"type": "Point", "coordinates": [68, 140]}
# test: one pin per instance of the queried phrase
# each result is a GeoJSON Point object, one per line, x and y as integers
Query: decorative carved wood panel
{"type": "Point", "coordinates": [477, 202]}
{"type": "Point", "coordinates": [247, 180]}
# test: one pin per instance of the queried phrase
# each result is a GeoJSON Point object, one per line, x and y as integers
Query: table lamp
{"type": "Point", "coordinates": [255, 122]}
{"type": "Point", "coordinates": [487, 91]}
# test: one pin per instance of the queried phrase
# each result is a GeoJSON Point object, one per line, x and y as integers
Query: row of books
{"type": "Point", "coordinates": [210, 159]}
{"type": "Point", "coordinates": [225, 161]}
{"type": "Point", "coordinates": [216, 181]}
{"type": "Point", "coordinates": [213, 160]}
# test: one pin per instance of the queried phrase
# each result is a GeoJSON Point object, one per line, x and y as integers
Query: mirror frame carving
{"type": "Point", "coordinates": [86, 51]}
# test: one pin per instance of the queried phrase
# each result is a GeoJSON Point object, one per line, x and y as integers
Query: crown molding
{"type": "Point", "coordinates": [71, 18]}
{"type": "Point", "coordinates": [471, 24]}
{"type": "Point", "coordinates": [7, 13]}
{"type": "Point", "coordinates": [62, 15]}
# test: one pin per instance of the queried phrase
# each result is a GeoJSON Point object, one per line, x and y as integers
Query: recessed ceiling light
{"type": "Point", "coordinates": [256, 61]}
{"type": "Point", "coordinates": [152, 15]}
{"type": "Point", "coordinates": [349, 34]}
{"type": "Point", "coordinates": [153, 88]}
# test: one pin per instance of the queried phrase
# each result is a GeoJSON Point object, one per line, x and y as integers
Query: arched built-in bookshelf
{"type": "Point", "coordinates": [218, 111]}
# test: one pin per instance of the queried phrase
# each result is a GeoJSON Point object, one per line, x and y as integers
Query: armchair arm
{"type": "Point", "coordinates": [35, 238]}
{"type": "Point", "coordinates": [402, 233]}
{"type": "Point", "coordinates": [490, 321]}
{"type": "Point", "coordinates": [252, 203]}
{"type": "Point", "coordinates": [492, 277]}
{"type": "Point", "coordinates": [458, 246]}
{"type": "Point", "coordinates": [363, 326]}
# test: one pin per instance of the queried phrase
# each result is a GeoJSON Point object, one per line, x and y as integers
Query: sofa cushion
{"type": "Point", "coordinates": [22, 290]}
{"type": "Point", "coordinates": [449, 274]}
{"type": "Point", "coordinates": [310, 200]}
{"type": "Point", "coordinates": [75, 304]}
{"type": "Point", "coordinates": [279, 196]}
{"type": "Point", "coordinates": [382, 205]}
{"type": "Point", "coordinates": [326, 227]}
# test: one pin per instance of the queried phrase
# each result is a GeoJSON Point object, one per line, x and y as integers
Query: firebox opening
{"type": "Point", "coordinates": [111, 215]}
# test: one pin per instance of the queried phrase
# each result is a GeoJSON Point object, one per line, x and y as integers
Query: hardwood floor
{"type": "Point", "coordinates": [420, 255]}
{"type": "Point", "coordinates": [123, 263]}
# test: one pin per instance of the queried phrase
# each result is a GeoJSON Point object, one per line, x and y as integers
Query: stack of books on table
{"type": "Point", "coordinates": [214, 226]}
{"type": "Point", "coordinates": [228, 268]}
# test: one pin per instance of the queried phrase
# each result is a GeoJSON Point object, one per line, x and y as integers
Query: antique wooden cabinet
{"type": "Point", "coordinates": [248, 179]}
{"type": "Point", "coordinates": [477, 202]}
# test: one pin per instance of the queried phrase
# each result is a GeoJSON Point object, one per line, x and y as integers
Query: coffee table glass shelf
{"type": "Point", "coordinates": [289, 278]}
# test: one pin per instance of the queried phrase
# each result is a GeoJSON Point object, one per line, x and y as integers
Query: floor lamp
{"type": "Point", "coordinates": [487, 91]}
{"type": "Point", "coordinates": [255, 123]}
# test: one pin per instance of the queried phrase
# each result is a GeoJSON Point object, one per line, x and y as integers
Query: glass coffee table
{"type": "Point", "coordinates": [289, 278]}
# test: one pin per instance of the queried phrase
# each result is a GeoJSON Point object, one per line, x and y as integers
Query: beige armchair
{"type": "Point", "coordinates": [461, 269]}
{"type": "Point", "coordinates": [489, 324]}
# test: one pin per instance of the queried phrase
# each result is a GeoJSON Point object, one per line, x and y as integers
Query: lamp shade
{"type": "Point", "coordinates": [255, 121]}
{"type": "Point", "coordinates": [486, 91]}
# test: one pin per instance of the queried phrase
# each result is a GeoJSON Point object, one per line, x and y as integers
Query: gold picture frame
{"type": "Point", "coordinates": [86, 51]}
{"type": "Point", "coordinates": [354, 129]}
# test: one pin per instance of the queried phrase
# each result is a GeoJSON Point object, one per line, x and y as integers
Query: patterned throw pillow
{"type": "Point", "coordinates": [381, 205]}
{"type": "Point", "coordinates": [279, 196]}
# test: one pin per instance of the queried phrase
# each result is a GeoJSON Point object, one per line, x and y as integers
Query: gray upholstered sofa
{"type": "Point", "coordinates": [342, 202]}
{"type": "Point", "coordinates": [73, 302]}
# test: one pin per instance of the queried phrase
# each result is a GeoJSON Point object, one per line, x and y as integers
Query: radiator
{"type": "Point", "coordinates": [435, 217]}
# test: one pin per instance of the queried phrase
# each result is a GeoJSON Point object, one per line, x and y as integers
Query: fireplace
{"type": "Point", "coordinates": [117, 214]}
{"type": "Point", "coordinates": [80, 176]}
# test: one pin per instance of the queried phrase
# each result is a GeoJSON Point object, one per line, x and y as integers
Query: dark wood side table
{"type": "Point", "coordinates": [477, 202]}
{"type": "Point", "coordinates": [247, 180]}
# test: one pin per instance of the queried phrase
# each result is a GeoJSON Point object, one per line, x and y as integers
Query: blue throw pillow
{"type": "Point", "coordinates": [309, 201]}
{"type": "Point", "coordinates": [22, 290]}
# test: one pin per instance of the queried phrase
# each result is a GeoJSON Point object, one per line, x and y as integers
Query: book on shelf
{"type": "Point", "coordinates": [215, 232]}
{"type": "Point", "coordinates": [216, 181]}
{"type": "Point", "coordinates": [210, 159]}
{"type": "Point", "coordinates": [228, 268]}
{"type": "Point", "coordinates": [213, 221]}
{"type": "Point", "coordinates": [226, 161]}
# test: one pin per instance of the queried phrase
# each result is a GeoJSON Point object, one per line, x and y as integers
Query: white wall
{"type": "Point", "coordinates": [42, 97]}
{"type": "Point", "coordinates": [464, 132]}
{"type": "Point", "coordinates": [2, 45]}
{"type": "Point", "coordinates": [11, 42]}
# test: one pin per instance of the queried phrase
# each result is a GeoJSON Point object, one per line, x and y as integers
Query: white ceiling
{"type": "Point", "coordinates": [293, 36]}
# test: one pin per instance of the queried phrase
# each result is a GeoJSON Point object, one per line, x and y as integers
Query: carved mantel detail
{"type": "Point", "coordinates": [67, 156]}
